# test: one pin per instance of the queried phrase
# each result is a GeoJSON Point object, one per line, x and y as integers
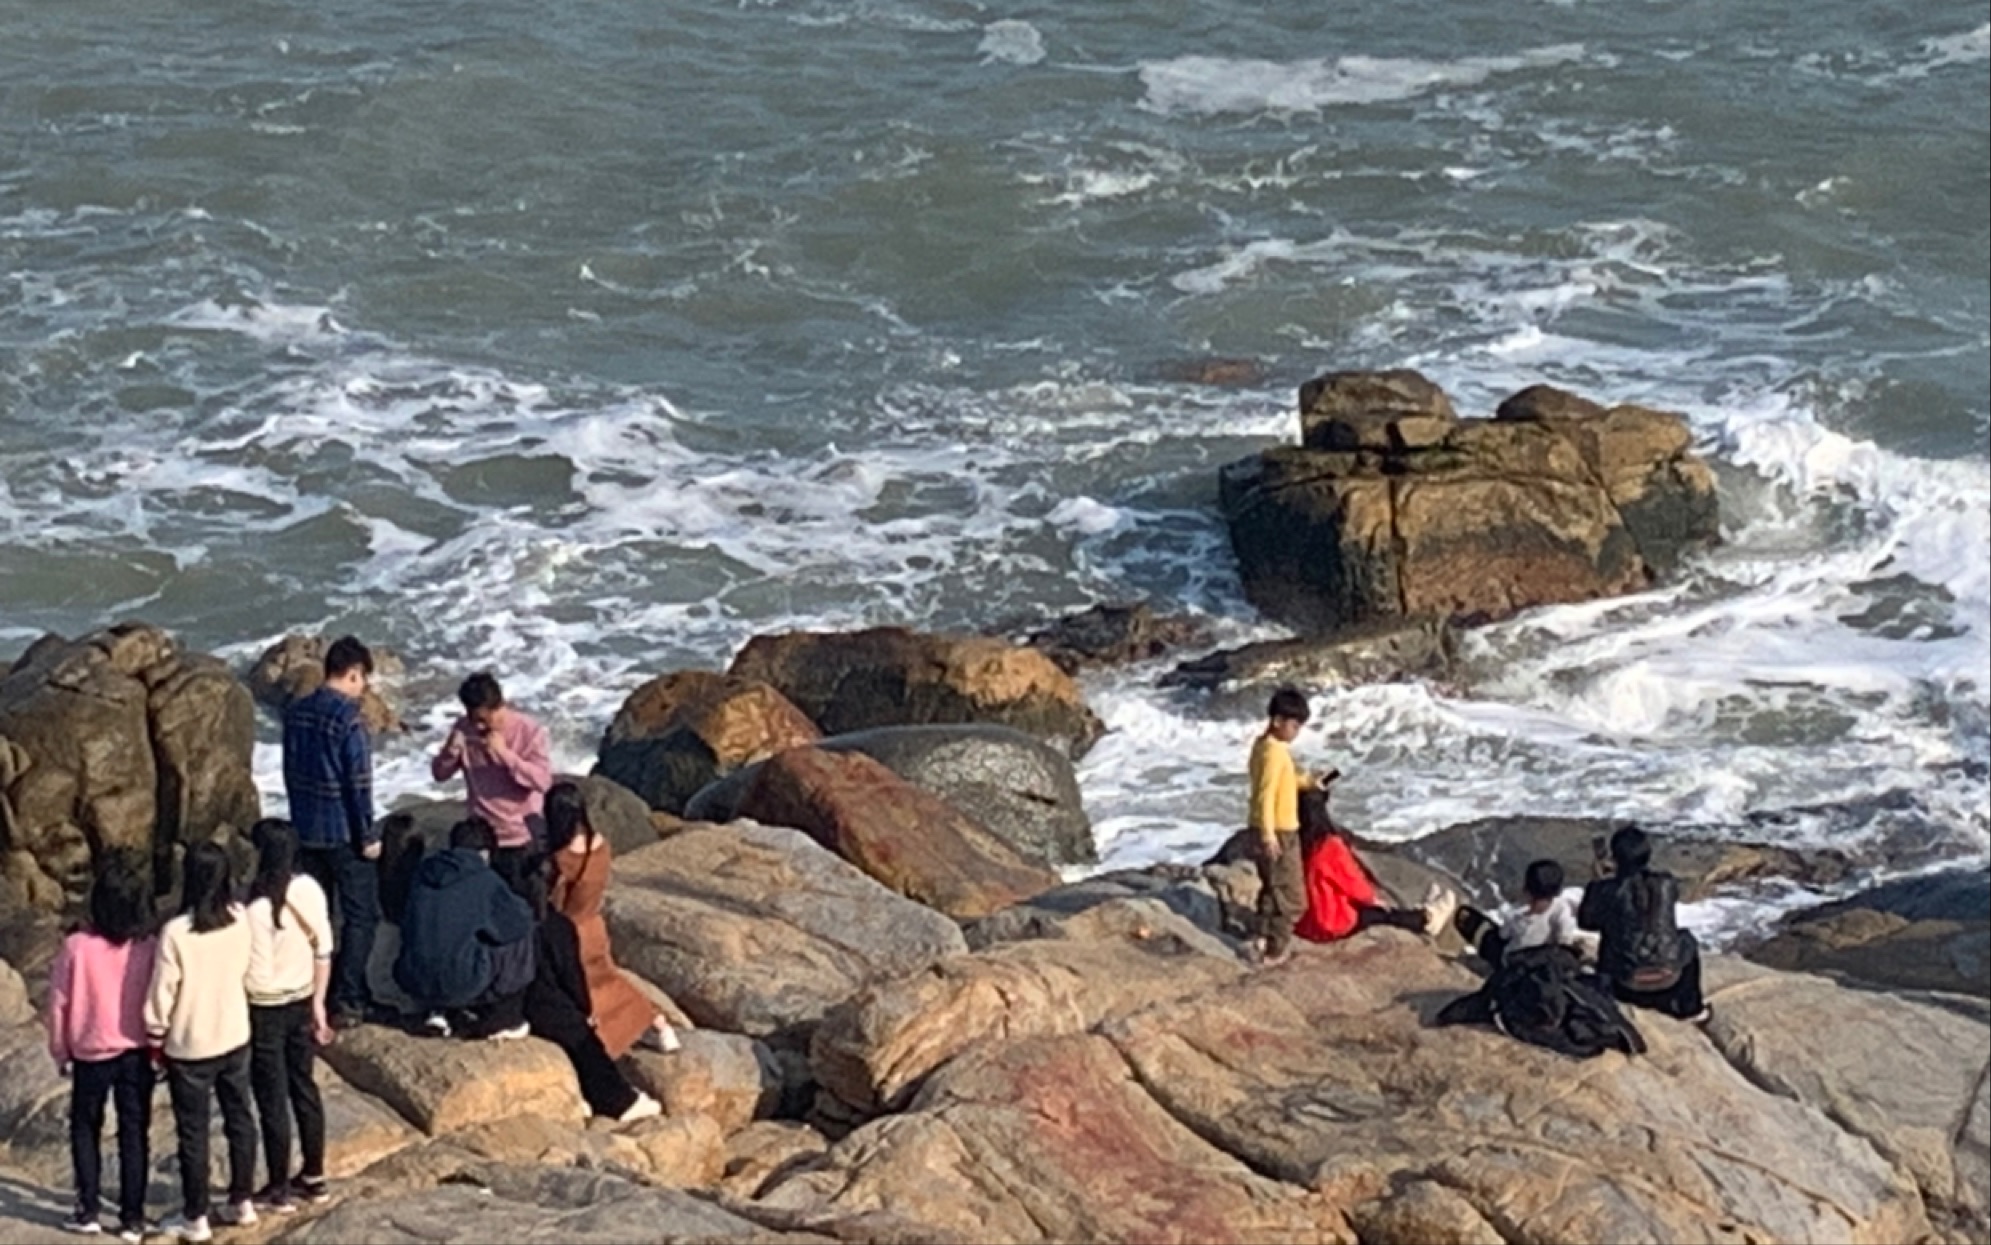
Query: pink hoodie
{"type": "Point", "coordinates": [96, 997]}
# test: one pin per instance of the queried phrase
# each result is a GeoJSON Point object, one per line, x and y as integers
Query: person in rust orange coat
{"type": "Point", "coordinates": [580, 860]}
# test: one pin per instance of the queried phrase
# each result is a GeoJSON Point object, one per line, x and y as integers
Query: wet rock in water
{"type": "Point", "coordinates": [294, 667]}
{"type": "Point", "coordinates": [1114, 635]}
{"type": "Point", "coordinates": [441, 1086]}
{"type": "Point", "coordinates": [1909, 1075]}
{"type": "Point", "coordinates": [117, 743]}
{"type": "Point", "coordinates": [1017, 787]}
{"type": "Point", "coordinates": [759, 930]}
{"type": "Point", "coordinates": [679, 733]}
{"type": "Point", "coordinates": [890, 676]}
{"type": "Point", "coordinates": [1393, 507]}
{"type": "Point", "coordinates": [909, 839]}
{"type": "Point", "coordinates": [1924, 933]}
{"type": "Point", "coordinates": [1225, 372]}
{"type": "Point", "coordinates": [1378, 652]}
{"type": "Point", "coordinates": [1052, 1139]}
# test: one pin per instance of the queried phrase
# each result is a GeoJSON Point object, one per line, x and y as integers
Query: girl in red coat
{"type": "Point", "coordinates": [1341, 896]}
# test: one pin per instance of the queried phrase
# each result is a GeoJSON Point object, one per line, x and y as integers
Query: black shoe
{"type": "Point", "coordinates": [347, 1017]}
{"type": "Point", "coordinates": [311, 1189]}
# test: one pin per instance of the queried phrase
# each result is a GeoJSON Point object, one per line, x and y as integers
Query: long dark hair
{"type": "Point", "coordinates": [566, 816]}
{"type": "Point", "coordinates": [401, 851]}
{"type": "Point", "coordinates": [205, 883]}
{"type": "Point", "coordinates": [276, 863]}
{"type": "Point", "coordinates": [121, 909]}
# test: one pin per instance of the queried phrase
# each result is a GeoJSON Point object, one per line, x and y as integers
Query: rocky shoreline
{"type": "Point", "coordinates": [839, 872]}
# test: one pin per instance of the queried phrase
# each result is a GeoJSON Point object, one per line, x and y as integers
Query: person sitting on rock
{"type": "Point", "coordinates": [558, 1009]}
{"type": "Point", "coordinates": [1546, 917]}
{"type": "Point", "coordinates": [1648, 959]}
{"type": "Point", "coordinates": [1342, 896]}
{"type": "Point", "coordinates": [467, 946]}
{"type": "Point", "coordinates": [506, 765]}
{"type": "Point", "coordinates": [579, 859]}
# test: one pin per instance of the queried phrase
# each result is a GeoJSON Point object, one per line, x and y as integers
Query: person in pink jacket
{"type": "Point", "coordinates": [507, 766]}
{"type": "Point", "coordinates": [96, 1035]}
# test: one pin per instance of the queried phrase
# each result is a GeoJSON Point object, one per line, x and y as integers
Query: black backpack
{"type": "Point", "coordinates": [1643, 926]}
{"type": "Point", "coordinates": [1541, 996]}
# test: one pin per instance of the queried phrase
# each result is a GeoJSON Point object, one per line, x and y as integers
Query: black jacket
{"type": "Point", "coordinates": [459, 912]}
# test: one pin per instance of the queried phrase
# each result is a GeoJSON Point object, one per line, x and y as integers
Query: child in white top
{"type": "Point", "coordinates": [1545, 917]}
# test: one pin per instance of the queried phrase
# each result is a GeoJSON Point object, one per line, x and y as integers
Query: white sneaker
{"type": "Point", "coordinates": [1439, 905]}
{"type": "Point", "coordinates": [240, 1214]}
{"type": "Point", "coordinates": [512, 1034]}
{"type": "Point", "coordinates": [644, 1108]}
{"type": "Point", "coordinates": [192, 1231]}
{"type": "Point", "coordinates": [436, 1025]}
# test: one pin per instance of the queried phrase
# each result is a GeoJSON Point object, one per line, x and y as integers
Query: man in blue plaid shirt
{"type": "Point", "coordinates": [328, 775]}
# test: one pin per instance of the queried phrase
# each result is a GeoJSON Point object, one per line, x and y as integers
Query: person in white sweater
{"type": "Point", "coordinates": [290, 969]}
{"type": "Point", "coordinates": [1546, 916]}
{"type": "Point", "coordinates": [197, 1014]}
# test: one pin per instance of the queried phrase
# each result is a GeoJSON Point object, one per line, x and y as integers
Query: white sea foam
{"type": "Point", "coordinates": [1011, 42]}
{"type": "Point", "coordinates": [1214, 85]}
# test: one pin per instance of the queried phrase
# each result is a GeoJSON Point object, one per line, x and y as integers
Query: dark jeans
{"type": "Point", "coordinates": [1481, 934]}
{"type": "Point", "coordinates": [127, 1080]}
{"type": "Point", "coordinates": [195, 1085]}
{"type": "Point", "coordinates": [488, 1015]}
{"type": "Point", "coordinates": [280, 1070]}
{"type": "Point", "coordinates": [604, 1088]}
{"type": "Point", "coordinates": [1681, 1000]}
{"type": "Point", "coordinates": [1411, 919]}
{"type": "Point", "coordinates": [352, 888]}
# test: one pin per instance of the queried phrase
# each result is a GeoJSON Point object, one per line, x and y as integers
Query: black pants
{"type": "Point", "coordinates": [604, 1088]}
{"type": "Point", "coordinates": [352, 888]}
{"type": "Point", "coordinates": [195, 1086]}
{"type": "Point", "coordinates": [1411, 919]}
{"type": "Point", "coordinates": [281, 1054]}
{"type": "Point", "coordinates": [1482, 934]}
{"type": "Point", "coordinates": [127, 1081]}
{"type": "Point", "coordinates": [489, 1015]}
{"type": "Point", "coordinates": [1682, 999]}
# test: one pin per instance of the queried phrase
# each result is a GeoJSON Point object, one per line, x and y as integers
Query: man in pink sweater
{"type": "Point", "coordinates": [506, 765]}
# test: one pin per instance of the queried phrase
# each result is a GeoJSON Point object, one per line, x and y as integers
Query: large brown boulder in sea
{"type": "Point", "coordinates": [890, 676]}
{"type": "Point", "coordinates": [759, 930]}
{"type": "Point", "coordinates": [1394, 507]}
{"type": "Point", "coordinates": [1931, 932]}
{"type": "Point", "coordinates": [294, 667]}
{"type": "Point", "coordinates": [119, 742]}
{"type": "Point", "coordinates": [678, 733]}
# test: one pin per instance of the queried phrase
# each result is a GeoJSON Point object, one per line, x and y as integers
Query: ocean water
{"type": "Point", "coordinates": [586, 341]}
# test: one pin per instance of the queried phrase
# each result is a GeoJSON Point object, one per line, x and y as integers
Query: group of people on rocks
{"type": "Point", "coordinates": [1316, 888]}
{"type": "Point", "coordinates": [496, 935]}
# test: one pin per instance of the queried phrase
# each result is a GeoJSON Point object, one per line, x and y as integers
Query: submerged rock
{"type": "Point", "coordinates": [1378, 652]}
{"type": "Point", "coordinates": [1925, 933]}
{"type": "Point", "coordinates": [1113, 635]}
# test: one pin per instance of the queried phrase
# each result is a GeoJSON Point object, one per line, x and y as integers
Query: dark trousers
{"type": "Point", "coordinates": [281, 1054]}
{"type": "Point", "coordinates": [1282, 894]}
{"type": "Point", "coordinates": [604, 1088]}
{"type": "Point", "coordinates": [1411, 919]}
{"type": "Point", "coordinates": [491, 1014]}
{"type": "Point", "coordinates": [352, 887]}
{"type": "Point", "coordinates": [195, 1085]}
{"type": "Point", "coordinates": [1682, 999]}
{"type": "Point", "coordinates": [513, 863]}
{"type": "Point", "coordinates": [127, 1081]}
{"type": "Point", "coordinates": [1481, 934]}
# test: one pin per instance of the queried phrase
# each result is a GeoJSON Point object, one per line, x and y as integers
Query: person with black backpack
{"type": "Point", "coordinates": [1648, 959]}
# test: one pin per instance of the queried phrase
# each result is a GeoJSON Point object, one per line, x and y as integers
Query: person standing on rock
{"type": "Point", "coordinates": [506, 765]}
{"type": "Point", "coordinates": [580, 859]}
{"type": "Point", "coordinates": [328, 775]}
{"type": "Point", "coordinates": [97, 1037]}
{"type": "Point", "coordinates": [1274, 820]}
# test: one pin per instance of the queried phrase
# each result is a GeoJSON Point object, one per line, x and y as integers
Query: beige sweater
{"type": "Point", "coordinates": [199, 1001]}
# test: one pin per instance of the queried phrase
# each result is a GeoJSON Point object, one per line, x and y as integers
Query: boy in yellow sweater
{"type": "Point", "coordinates": [1275, 824]}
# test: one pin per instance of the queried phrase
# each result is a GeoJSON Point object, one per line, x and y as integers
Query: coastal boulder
{"type": "Point", "coordinates": [1113, 635]}
{"type": "Point", "coordinates": [119, 742]}
{"type": "Point", "coordinates": [441, 1086]}
{"type": "Point", "coordinates": [891, 676]}
{"type": "Point", "coordinates": [1019, 788]}
{"type": "Point", "coordinates": [767, 1150]}
{"type": "Point", "coordinates": [294, 667]}
{"type": "Point", "coordinates": [911, 840]}
{"type": "Point", "coordinates": [758, 930]}
{"type": "Point", "coordinates": [1923, 933]}
{"type": "Point", "coordinates": [678, 733]}
{"type": "Point", "coordinates": [1393, 507]}
{"type": "Point", "coordinates": [1381, 652]}
{"type": "Point", "coordinates": [1349, 1091]}
{"type": "Point", "coordinates": [726, 1076]}
{"type": "Point", "coordinates": [1053, 1139]}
